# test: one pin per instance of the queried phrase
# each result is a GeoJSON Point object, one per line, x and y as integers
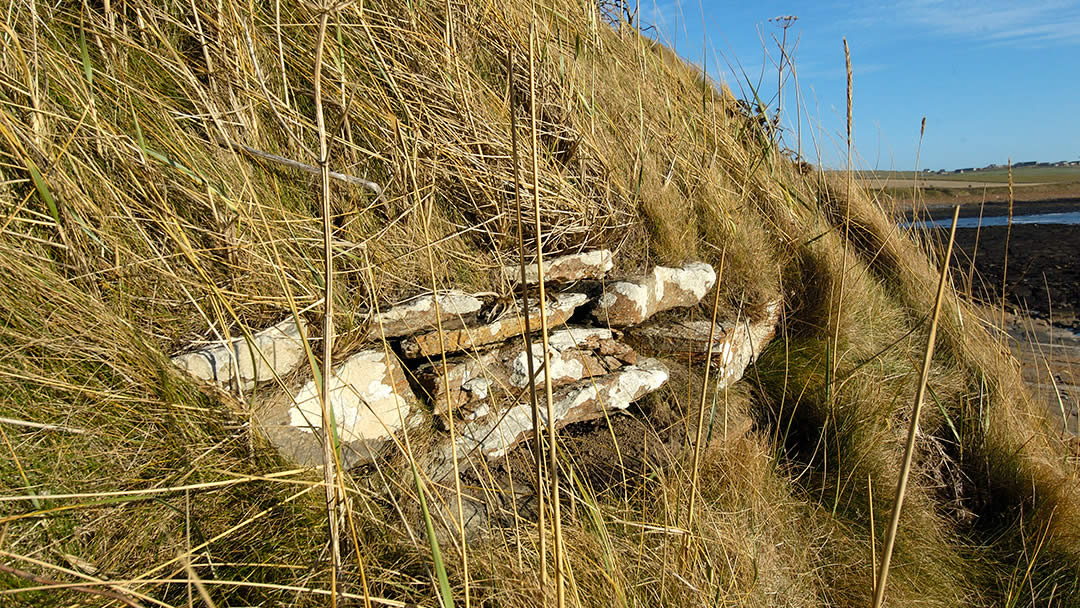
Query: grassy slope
{"type": "Point", "coordinates": [154, 233]}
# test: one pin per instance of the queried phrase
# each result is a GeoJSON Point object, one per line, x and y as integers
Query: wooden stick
{"type": "Point", "coordinates": [41, 580]}
{"type": "Point", "coordinates": [288, 162]}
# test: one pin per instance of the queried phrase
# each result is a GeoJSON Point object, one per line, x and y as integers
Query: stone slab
{"type": "Point", "coordinates": [272, 352]}
{"type": "Point", "coordinates": [559, 310]}
{"type": "Point", "coordinates": [418, 315]}
{"type": "Point", "coordinates": [631, 302]}
{"type": "Point", "coordinates": [735, 344]}
{"type": "Point", "coordinates": [587, 265]}
{"type": "Point", "coordinates": [371, 401]}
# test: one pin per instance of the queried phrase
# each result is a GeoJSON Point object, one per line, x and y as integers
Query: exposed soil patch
{"type": "Point", "coordinates": [1043, 270]}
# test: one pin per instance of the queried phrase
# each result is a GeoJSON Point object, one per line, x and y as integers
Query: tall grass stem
{"type": "Point", "coordinates": [553, 464]}
{"type": "Point", "coordinates": [920, 395]}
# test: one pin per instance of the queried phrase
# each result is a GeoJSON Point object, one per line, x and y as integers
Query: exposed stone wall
{"type": "Point", "coordinates": [485, 382]}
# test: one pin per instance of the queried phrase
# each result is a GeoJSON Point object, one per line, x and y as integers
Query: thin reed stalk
{"type": "Point", "coordinates": [446, 387]}
{"type": "Point", "coordinates": [694, 467]}
{"type": "Point", "coordinates": [909, 448]}
{"type": "Point", "coordinates": [1005, 262]}
{"type": "Point", "coordinates": [443, 581]}
{"type": "Point", "coordinates": [838, 309]}
{"type": "Point", "coordinates": [969, 286]}
{"type": "Point", "coordinates": [538, 452]}
{"type": "Point", "coordinates": [553, 464]}
{"type": "Point", "coordinates": [915, 188]}
{"type": "Point", "coordinates": [329, 426]}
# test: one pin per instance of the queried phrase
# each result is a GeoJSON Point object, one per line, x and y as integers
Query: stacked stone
{"type": "Point", "coordinates": [477, 369]}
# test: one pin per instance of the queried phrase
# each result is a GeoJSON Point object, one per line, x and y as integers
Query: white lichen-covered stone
{"type": "Point", "coordinates": [587, 399]}
{"type": "Point", "coordinates": [559, 309]}
{"type": "Point", "coordinates": [633, 301]}
{"type": "Point", "coordinates": [574, 353]}
{"type": "Point", "coordinates": [567, 363]}
{"type": "Point", "coordinates": [574, 267]}
{"type": "Point", "coordinates": [418, 314]}
{"type": "Point", "coordinates": [369, 399]}
{"type": "Point", "coordinates": [746, 343]}
{"type": "Point", "coordinates": [271, 353]}
{"type": "Point", "coordinates": [735, 344]}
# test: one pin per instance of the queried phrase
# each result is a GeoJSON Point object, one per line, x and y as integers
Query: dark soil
{"type": "Point", "coordinates": [1043, 270]}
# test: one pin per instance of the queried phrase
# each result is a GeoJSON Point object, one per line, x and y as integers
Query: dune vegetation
{"type": "Point", "coordinates": [141, 210]}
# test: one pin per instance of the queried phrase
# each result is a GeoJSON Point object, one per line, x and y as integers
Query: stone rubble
{"type": "Point", "coordinates": [588, 265]}
{"type": "Point", "coordinates": [575, 353]}
{"type": "Point", "coordinates": [735, 344]}
{"type": "Point", "coordinates": [593, 371]}
{"type": "Point", "coordinates": [494, 436]}
{"type": "Point", "coordinates": [559, 310]}
{"type": "Point", "coordinates": [632, 301]}
{"type": "Point", "coordinates": [277, 351]}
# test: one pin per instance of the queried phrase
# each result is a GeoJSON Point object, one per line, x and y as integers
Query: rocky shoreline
{"type": "Point", "coordinates": [1042, 295]}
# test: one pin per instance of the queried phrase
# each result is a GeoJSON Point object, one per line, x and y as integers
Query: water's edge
{"type": "Point", "coordinates": [1068, 218]}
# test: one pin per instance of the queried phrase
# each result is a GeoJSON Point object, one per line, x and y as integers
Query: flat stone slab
{"type": "Point", "coordinates": [574, 267]}
{"type": "Point", "coordinates": [371, 401]}
{"type": "Point", "coordinates": [418, 315]}
{"type": "Point", "coordinates": [503, 373]}
{"type": "Point", "coordinates": [587, 399]}
{"type": "Point", "coordinates": [734, 346]}
{"type": "Point", "coordinates": [633, 301]}
{"type": "Point", "coordinates": [560, 307]}
{"type": "Point", "coordinates": [272, 352]}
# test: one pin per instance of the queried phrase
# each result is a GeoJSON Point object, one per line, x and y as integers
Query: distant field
{"type": "Point", "coordinates": [1022, 175]}
{"type": "Point", "coordinates": [939, 181]}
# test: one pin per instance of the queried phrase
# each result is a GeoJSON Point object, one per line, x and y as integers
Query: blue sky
{"type": "Point", "coordinates": [994, 79]}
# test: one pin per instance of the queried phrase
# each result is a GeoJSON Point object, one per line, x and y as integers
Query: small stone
{"type": "Point", "coordinates": [574, 267]}
{"type": "Point", "coordinates": [559, 310]}
{"type": "Point", "coordinates": [371, 401]}
{"type": "Point", "coordinates": [734, 344]}
{"type": "Point", "coordinates": [418, 314]}
{"type": "Point", "coordinates": [504, 373]}
{"type": "Point", "coordinates": [277, 351]}
{"type": "Point", "coordinates": [632, 302]}
{"type": "Point", "coordinates": [583, 400]}
{"type": "Point", "coordinates": [618, 350]}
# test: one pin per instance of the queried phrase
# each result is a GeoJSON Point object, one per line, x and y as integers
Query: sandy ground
{"type": "Point", "coordinates": [1050, 359]}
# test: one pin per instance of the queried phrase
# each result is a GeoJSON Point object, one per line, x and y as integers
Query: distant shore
{"type": "Point", "coordinates": [937, 210]}
{"type": "Point", "coordinates": [1044, 259]}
